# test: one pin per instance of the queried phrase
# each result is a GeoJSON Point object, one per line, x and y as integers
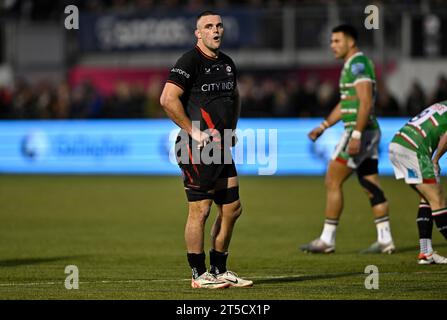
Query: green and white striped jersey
{"type": "Point", "coordinates": [423, 132]}
{"type": "Point", "coordinates": [356, 69]}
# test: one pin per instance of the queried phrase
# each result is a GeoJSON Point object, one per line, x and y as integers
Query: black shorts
{"type": "Point", "coordinates": [204, 177]}
{"type": "Point", "coordinates": [200, 179]}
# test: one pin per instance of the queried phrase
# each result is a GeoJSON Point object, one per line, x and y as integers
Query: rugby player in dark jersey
{"type": "Point", "coordinates": [201, 97]}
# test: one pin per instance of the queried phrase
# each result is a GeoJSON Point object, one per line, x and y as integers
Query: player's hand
{"type": "Point", "coordinates": [354, 146]}
{"type": "Point", "coordinates": [315, 133]}
{"type": "Point", "coordinates": [201, 137]}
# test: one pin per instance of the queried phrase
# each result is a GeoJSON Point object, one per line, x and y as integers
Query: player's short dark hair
{"type": "Point", "coordinates": [347, 30]}
{"type": "Point", "coordinates": [206, 13]}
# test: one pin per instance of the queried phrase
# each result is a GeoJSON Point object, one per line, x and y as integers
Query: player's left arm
{"type": "Point", "coordinates": [364, 92]}
{"type": "Point", "coordinates": [440, 150]}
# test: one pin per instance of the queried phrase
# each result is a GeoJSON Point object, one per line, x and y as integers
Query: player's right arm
{"type": "Point", "coordinates": [332, 119]}
{"type": "Point", "coordinates": [440, 150]}
{"type": "Point", "coordinates": [180, 79]}
{"type": "Point", "coordinates": [172, 104]}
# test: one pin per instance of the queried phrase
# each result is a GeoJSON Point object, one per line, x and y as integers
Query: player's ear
{"type": "Point", "coordinates": [197, 33]}
{"type": "Point", "coordinates": [351, 42]}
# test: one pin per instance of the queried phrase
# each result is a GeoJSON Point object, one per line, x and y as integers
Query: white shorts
{"type": "Point", "coordinates": [408, 165]}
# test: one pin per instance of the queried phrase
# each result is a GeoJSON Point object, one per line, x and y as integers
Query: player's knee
{"type": "Point", "coordinates": [437, 203]}
{"type": "Point", "coordinates": [237, 210]}
{"type": "Point", "coordinates": [375, 193]}
{"type": "Point", "coordinates": [233, 211]}
{"type": "Point", "coordinates": [441, 199]}
{"type": "Point", "coordinates": [434, 195]}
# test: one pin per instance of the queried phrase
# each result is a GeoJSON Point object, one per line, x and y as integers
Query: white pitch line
{"type": "Point", "coordinates": [126, 281]}
{"type": "Point", "coordinates": [88, 282]}
{"type": "Point", "coordinates": [24, 284]}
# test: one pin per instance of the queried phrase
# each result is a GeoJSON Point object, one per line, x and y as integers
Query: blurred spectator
{"type": "Point", "coordinates": [440, 93]}
{"type": "Point", "coordinates": [120, 5]}
{"type": "Point", "coordinates": [53, 10]}
{"type": "Point", "coordinates": [386, 103]}
{"type": "Point", "coordinates": [23, 101]}
{"type": "Point", "coordinates": [152, 107]}
{"type": "Point", "coordinates": [281, 103]}
{"type": "Point", "coordinates": [195, 5]}
{"type": "Point", "coordinates": [61, 106]}
{"type": "Point", "coordinates": [117, 105]}
{"type": "Point", "coordinates": [292, 88]}
{"type": "Point", "coordinates": [144, 5]}
{"type": "Point", "coordinates": [307, 98]}
{"type": "Point", "coordinates": [137, 101]}
{"type": "Point", "coordinates": [246, 86]}
{"type": "Point", "coordinates": [94, 6]}
{"type": "Point", "coordinates": [266, 97]}
{"type": "Point", "coordinates": [416, 100]}
{"type": "Point", "coordinates": [45, 98]}
{"type": "Point", "coordinates": [263, 94]}
{"type": "Point", "coordinates": [86, 101]}
{"type": "Point", "coordinates": [256, 96]}
{"type": "Point", "coordinates": [5, 103]}
{"type": "Point", "coordinates": [328, 97]}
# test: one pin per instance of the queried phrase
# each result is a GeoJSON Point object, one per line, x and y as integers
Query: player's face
{"type": "Point", "coordinates": [210, 31]}
{"type": "Point", "coordinates": [339, 45]}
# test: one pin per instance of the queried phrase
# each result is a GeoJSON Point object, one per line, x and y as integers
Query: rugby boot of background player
{"type": "Point", "coordinates": [318, 246]}
{"type": "Point", "coordinates": [378, 247]}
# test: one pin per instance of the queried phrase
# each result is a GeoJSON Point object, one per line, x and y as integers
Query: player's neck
{"type": "Point", "coordinates": [350, 53]}
{"type": "Point", "coordinates": [207, 51]}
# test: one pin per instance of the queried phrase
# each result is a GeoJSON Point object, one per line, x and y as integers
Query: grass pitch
{"type": "Point", "coordinates": [125, 235]}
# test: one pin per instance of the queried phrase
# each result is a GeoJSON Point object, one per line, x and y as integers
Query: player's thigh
{"type": "Point", "coordinates": [421, 196]}
{"type": "Point", "coordinates": [227, 186]}
{"type": "Point", "coordinates": [337, 173]}
{"type": "Point", "coordinates": [369, 149]}
{"type": "Point", "coordinates": [226, 183]}
{"type": "Point", "coordinates": [200, 209]}
{"type": "Point", "coordinates": [231, 209]}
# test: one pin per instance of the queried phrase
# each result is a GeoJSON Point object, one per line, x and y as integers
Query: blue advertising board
{"type": "Point", "coordinates": [265, 147]}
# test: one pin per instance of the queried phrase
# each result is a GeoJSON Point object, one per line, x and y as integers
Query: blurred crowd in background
{"type": "Point", "coordinates": [50, 9]}
{"type": "Point", "coordinates": [262, 96]}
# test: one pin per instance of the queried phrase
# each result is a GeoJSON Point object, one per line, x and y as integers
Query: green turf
{"type": "Point", "coordinates": [125, 234]}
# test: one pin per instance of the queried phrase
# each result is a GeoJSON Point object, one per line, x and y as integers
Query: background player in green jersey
{"type": "Point", "coordinates": [415, 152]}
{"type": "Point", "coordinates": [358, 147]}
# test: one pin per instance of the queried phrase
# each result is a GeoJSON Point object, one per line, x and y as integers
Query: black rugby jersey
{"type": "Point", "coordinates": [209, 86]}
